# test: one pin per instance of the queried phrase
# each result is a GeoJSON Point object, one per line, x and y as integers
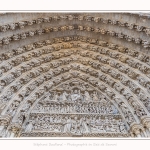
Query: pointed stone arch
{"type": "Point", "coordinates": [82, 50]}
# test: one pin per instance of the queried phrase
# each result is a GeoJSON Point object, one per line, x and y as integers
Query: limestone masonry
{"type": "Point", "coordinates": [75, 75]}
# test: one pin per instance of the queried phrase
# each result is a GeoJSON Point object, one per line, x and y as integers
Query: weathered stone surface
{"type": "Point", "coordinates": [74, 75]}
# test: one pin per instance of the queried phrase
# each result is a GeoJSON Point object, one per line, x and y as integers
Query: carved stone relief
{"type": "Point", "coordinates": [74, 85]}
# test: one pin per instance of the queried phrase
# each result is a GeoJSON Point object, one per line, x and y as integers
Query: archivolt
{"type": "Point", "coordinates": [88, 18]}
{"type": "Point", "coordinates": [78, 18]}
{"type": "Point", "coordinates": [129, 117]}
{"type": "Point", "coordinates": [104, 89]}
{"type": "Point", "coordinates": [48, 30]}
{"type": "Point", "coordinates": [105, 68]}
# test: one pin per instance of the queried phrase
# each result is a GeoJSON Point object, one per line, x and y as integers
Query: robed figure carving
{"type": "Point", "coordinates": [76, 95]}
{"type": "Point", "coordinates": [67, 126]}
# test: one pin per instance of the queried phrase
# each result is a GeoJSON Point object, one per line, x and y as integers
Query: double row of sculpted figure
{"type": "Point", "coordinates": [60, 45]}
{"type": "Point", "coordinates": [76, 124]}
{"type": "Point", "coordinates": [22, 24]}
{"type": "Point", "coordinates": [78, 107]}
{"type": "Point", "coordinates": [24, 35]}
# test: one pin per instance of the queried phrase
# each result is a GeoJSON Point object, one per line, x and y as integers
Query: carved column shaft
{"type": "Point", "coordinates": [1, 130]}
{"type": "Point", "coordinates": [145, 134]}
{"type": "Point", "coordinates": [7, 133]}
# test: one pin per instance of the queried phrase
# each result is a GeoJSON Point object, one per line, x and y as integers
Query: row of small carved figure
{"type": "Point", "coordinates": [133, 87]}
{"type": "Point", "coordinates": [32, 74]}
{"type": "Point", "coordinates": [21, 36]}
{"type": "Point", "coordinates": [126, 53]}
{"type": "Point", "coordinates": [36, 63]}
{"type": "Point", "coordinates": [62, 118]}
{"type": "Point", "coordinates": [73, 96]}
{"type": "Point", "coordinates": [61, 134]}
{"type": "Point", "coordinates": [76, 124]}
{"type": "Point", "coordinates": [26, 92]}
{"type": "Point", "coordinates": [120, 61]}
{"type": "Point", "coordinates": [39, 44]}
{"type": "Point", "coordinates": [22, 24]}
{"type": "Point", "coordinates": [118, 75]}
{"type": "Point", "coordinates": [121, 68]}
{"type": "Point", "coordinates": [79, 129]}
{"type": "Point", "coordinates": [129, 38]}
{"type": "Point", "coordinates": [124, 56]}
{"type": "Point", "coordinates": [8, 79]}
{"type": "Point", "coordinates": [140, 56]}
{"type": "Point", "coordinates": [114, 55]}
{"type": "Point", "coordinates": [142, 81]}
{"type": "Point", "coordinates": [75, 108]}
{"type": "Point", "coordinates": [105, 69]}
{"type": "Point", "coordinates": [28, 58]}
{"type": "Point", "coordinates": [44, 59]}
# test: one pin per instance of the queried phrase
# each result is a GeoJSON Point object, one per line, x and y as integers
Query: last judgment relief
{"type": "Point", "coordinates": [75, 109]}
{"type": "Point", "coordinates": [75, 75]}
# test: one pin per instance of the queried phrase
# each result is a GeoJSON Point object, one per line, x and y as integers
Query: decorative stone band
{"type": "Point", "coordinates": [21, 36]}
{"type": "Point", "coordinates": [140, 14]}
{"type": "Point", "coordinates": [54, 134]}
{"type": "Point", "coordinates": [22, 24]}
{"type": "Point", "coordinates": [18, 60]}
{"type": "Point", "coordinates": [5, 81]}
{"type": "Point", "coordinates": [20, 50]}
